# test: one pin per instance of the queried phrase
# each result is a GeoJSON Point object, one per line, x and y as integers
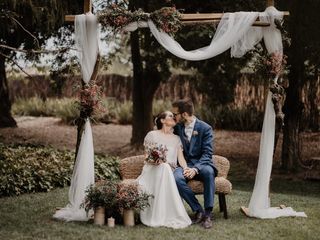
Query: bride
{"type": "Point", "coordinates": [166, 208]}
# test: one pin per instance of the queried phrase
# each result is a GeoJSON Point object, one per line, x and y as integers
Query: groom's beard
{"type": "Point", "coordinates": [182, 120]}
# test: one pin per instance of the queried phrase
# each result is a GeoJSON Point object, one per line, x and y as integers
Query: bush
{"type": "Point", "coordinates": [64, 108]}
{"type": "Point", "coordinates": [228, 117]}
{"type": "Point", "coordinates": [29, 107]}
{"type": "Point", "coordinates": [124, 112]}
{"type": "Point", "coordinates": [31, 168]}
{"type": "Point", "coordinates": [160, 106]}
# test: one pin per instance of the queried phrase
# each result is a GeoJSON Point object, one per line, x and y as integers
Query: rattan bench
{"type": "Point", "coordinates": [131, 167]}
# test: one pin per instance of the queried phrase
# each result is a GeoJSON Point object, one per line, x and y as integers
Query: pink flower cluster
{"type": "Point", "coordinates": [276, 63]}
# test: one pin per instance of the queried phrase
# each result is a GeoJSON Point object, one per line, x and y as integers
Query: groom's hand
{"type": "Point", "coordinates": [189, 173]}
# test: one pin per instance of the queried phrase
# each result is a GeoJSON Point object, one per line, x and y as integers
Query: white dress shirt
{"type": "Point", "coordinates": [188, 129]}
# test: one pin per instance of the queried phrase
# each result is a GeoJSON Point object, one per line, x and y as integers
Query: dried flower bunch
{"type": "Point", "coordinates": [276, 63]}
{"type": "Point", "coordinates": [166, 19]}
{"type": "Point", "coordinates": [90, 100]}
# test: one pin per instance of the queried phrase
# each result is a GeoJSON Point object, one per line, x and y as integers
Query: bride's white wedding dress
{"type": "Point", "coordinates": [166, 208]}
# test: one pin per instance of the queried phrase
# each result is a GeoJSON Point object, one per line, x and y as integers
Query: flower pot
{"type": "Point", "coordinates": [128, 217]}
{"type": "Point", "coordinates": [99, 216]}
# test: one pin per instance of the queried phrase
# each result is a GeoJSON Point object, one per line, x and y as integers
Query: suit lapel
{"type": "Point", "coordinates": [194, 137]}
{"type": "Point", "coordinates": [181, 135]}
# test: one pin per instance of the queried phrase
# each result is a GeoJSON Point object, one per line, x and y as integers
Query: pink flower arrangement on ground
{"type": "Point", "coordinates": [130, 196]}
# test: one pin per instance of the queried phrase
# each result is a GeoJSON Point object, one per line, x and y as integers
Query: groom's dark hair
{"type": "Point", "coordinates": [184, 105]}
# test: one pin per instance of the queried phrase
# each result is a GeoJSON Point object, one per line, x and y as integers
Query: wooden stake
{"type": "Point", "coordinates": [270, 3]}
{"type": "Point", "coordinates": [87, 6]}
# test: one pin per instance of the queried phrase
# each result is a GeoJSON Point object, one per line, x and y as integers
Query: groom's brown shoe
{"type": "Point", "coordinates": [198, 217]}
{"type": "Point", "coordinates": [207, 223]}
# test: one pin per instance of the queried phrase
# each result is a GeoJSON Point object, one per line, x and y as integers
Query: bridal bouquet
{"type": "Point", "coordinates": [156, 152]}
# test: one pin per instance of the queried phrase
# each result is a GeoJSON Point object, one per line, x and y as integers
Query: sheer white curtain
{"type": "Point", "coordinates": [259, 205]}
{"type": "Point", "coordinates": [235, 31]}
{"type": "Point", "coordinates": [83, 171]}
{"type": "Point", "coordinates": [231, 28]}
{"type": "Point", "coordinates": [87, 42]}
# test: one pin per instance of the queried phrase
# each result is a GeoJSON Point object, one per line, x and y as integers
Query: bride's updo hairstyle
{"type": "Point", "coordinates": [157, 120]}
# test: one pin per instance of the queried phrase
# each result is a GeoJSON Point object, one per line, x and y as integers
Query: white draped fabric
{"type": "Point", "coordinates": [82, 177]}
{"type": "Point", "coordinates": [83, 171]}
{"type": "Point", "coordinates": [86, 37]}
{"type": "Point", "coordinates": [235, 31]}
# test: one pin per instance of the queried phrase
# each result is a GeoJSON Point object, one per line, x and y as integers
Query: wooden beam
{"type": "Point", "coordinates": [87, 6]}
{"type": "Point", "coordinates": [255, 24]}
{"type": "Point", "coordinates": [208, 16]}
{"type": "Point", "coordinates": [270, 3]}
{"type": "Point", "coordinates": [192, 18]}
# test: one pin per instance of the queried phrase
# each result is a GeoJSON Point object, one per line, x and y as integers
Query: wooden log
{"type": "Point", "coordinates": [270, 3]}
{"type": "Point", "coordinates": [195, 18]}
{"type": "Point", "coordinates": [87, 6]}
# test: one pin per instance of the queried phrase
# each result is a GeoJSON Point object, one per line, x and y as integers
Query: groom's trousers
{"type": "Point", "coordinates": [206, 175]}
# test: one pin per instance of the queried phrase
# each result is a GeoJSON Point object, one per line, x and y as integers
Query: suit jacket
{"type": "Point", "coordinates": [200, 146]}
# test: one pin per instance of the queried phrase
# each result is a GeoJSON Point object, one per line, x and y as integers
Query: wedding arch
{"type": "Point", "coordinates": [238, 31]}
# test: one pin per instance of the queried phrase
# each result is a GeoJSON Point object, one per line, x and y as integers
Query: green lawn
{"type": "Point", "coordinates": [29, 217]}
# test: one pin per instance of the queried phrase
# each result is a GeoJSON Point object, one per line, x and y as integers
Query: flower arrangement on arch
{"type": "Point", "coordinates": [155, 153]}
{"type": "Point", "coordinates": [130, 196]}
{"type": "Point", "coordinates": [271, 65]}
{"type": "Point", "coordinates": [276, 63]}
{"type": "Point", "coordinates": [166, 19]}
{"type": "Point", "coordinates": [90, 100]}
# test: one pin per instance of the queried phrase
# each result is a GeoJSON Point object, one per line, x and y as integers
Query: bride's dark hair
{"type": "Point", "coordinates": [158, 118]}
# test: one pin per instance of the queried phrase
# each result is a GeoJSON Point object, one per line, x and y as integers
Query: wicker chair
{"type": "Point", "coordinates": [131, 167]}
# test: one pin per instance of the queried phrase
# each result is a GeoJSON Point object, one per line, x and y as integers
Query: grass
{"type": "Point", "coordinates": [29, 217]}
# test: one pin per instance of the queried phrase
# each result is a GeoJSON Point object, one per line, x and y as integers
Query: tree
{"type": "Point", "coordinates": [26, 24]}
{"type": "Point", "coordinates": [150, 67]}
{"type": "Point", "coordinates": [303, 54]}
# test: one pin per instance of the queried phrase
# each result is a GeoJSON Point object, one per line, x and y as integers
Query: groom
{"type": "Point", "coordinates": [196, 137]}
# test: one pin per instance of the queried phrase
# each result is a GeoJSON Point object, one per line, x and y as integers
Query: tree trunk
{"type": "Point", "coordinates": [293, 105]}
{"type": "Point", "coordinates": [142, 101]}
{"type": "Point", "coordinates": [6, 120]}
{"type": "Point", "coordinates": [312, 95]}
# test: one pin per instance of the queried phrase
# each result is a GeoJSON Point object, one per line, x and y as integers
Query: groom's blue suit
{"type": "Point", "coordinates": [198, 154]}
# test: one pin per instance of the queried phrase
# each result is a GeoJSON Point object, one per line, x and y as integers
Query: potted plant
{"type": "Point", "coordinates": [99, 197]}
{"type": "Point", "coordinates": [129, 198]}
